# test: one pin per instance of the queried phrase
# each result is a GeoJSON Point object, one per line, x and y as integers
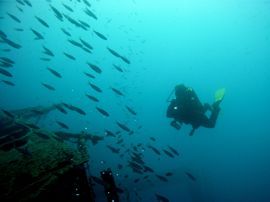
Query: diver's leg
{"type": "Point", "coordinates": [206, 107]}
{"type": "Point", "coordinates": [210, 122]}
{"type": "Point", "coordinates": [206, 122]}
{"type": "Point", "coordinates": [214, 115]}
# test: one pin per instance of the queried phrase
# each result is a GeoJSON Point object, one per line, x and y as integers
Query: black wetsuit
{"type": "Point", "coordinates": [187, 108]}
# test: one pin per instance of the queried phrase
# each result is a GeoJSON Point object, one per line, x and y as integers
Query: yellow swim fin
{"type": "Point", "coordinates": [219, 94]}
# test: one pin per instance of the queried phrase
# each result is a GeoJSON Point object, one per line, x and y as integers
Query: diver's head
{"type": "Point", "coordinates": [179, 90]}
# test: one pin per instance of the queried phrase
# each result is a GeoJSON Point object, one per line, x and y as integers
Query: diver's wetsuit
{"type": "Point", "coordinates": [187, 108]}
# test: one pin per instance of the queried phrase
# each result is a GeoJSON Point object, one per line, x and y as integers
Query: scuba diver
{"type": "Point", "coordinates": [187, 108]}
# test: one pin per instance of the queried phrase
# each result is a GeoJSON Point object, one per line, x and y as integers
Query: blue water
{"type": "Point", "coordinates": [204, 44]}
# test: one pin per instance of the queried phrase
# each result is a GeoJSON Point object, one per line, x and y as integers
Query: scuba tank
{"type": "Point", "coordinates": [180, 88]}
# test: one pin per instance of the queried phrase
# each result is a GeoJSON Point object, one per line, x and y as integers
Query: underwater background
{"type": "Point", "coordinates": [135, 52]}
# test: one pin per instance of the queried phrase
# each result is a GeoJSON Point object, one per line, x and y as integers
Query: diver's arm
{"type": "Point", "coordinates": [173, 112]}
{"type": "Point", "coordinates": [170, 111]}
